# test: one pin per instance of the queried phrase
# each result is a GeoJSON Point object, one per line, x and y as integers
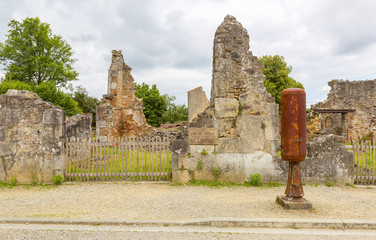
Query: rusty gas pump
{"type": "Point", "coordinates": [293, 145]}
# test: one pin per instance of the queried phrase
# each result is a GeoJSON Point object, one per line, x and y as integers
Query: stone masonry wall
{"type": "Point", "coordinates": [121, 113]}
{"type": "Point", "coordinates": [349, 95]}
{"type": "Point", "coordinates": [32, 135]}
{"type": "Point", "coordinates": [79, 126]}
{"type": "Point", "coordinates": [197, 102]}
{"type": "Point", "coordinates": [238, 134]}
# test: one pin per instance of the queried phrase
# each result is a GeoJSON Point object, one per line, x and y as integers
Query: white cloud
{"type": "Point", "coordinates": [169, 43]}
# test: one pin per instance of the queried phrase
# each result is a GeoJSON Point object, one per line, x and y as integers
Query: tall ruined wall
{"type": "Point", "coordinates": [32, 135]}
{"type": "Point", "coordinates": [197, 102]}
{"type": "Point", "coordinates": [238, 134]}
{"type": "Point", "coordinates": [359, 96]}
{"type": "Point", "coordinates": [121, 112]}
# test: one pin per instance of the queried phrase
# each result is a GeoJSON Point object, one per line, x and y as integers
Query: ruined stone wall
{"type": "Point", "coordinates": [238, 134]}
{"type": "Point", "coordinates": [327, 160]}
{"type": "Point", "coordinates": [79, 126]}
{"type": "Point", "coordinates": [32, 135]}
{"type": "Point", "coordinates": [347, 96]}
{"type": "Point", "coordinates": [197, 102]}
{"type": "Point", "coordinates": [121, 113]}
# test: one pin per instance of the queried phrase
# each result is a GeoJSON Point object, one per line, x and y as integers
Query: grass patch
{"type": "Point", "coordinates": [329, 183]}
{"type": "Point", "coordinates": [274, 184]}
{"type": "Point", "coordinates": [176, 184]}
{"type": "Point", "coordinates": [213, 184]}
{"type": "Point", "coordinates": [254, 180]}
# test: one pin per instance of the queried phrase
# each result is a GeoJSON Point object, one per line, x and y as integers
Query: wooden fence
{"type": "Point", "coordinates": [364, 162]}
{"type": "Point", "coordinates": [126, 159]}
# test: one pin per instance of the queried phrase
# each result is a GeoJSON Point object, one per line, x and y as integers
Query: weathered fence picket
{"type": "Point", "coordinates": [128, 159]}
{"type": "Point", "coordinates": [364, 162]}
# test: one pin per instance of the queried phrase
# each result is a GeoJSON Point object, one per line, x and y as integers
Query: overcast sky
{"type": "Point", "coordinates": [169, 43]}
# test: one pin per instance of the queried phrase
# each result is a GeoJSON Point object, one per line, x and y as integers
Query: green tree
{"type": "Point", "coordinates": [155, 104]}
{"type": "Point", "coordinates": [47, 91]}
{"type": "Point", "coordinates": [174, 113]}
{"type": "Point", "coordinates": [277, 77]}
{"type": "Point", "coordinates": [31, 53]}
{"type": "Point", "coordinates": [86, 103]}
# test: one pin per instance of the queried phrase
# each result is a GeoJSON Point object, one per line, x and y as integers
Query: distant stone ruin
{"type": "Point", "coordinates": [238, 134]}
{"type": "Point", "coordinates": [197, 102]}
{"type": "Point", "coordinates": [32, 136]}
{"type": "Point", "coordinates": [121, 113]}
{"type": "Point", "coordinates": [349, 110]}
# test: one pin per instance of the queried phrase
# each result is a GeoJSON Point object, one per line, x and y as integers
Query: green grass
{"type": "Point", "coordinates": [364, 157]}
{"type": "Point", "coordinates": [115, 160]}
{"type": "Point", "coordinates": [220, 184]}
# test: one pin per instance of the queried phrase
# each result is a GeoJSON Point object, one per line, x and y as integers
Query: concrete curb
{"type": "Point", "coordinates": [210, 222]}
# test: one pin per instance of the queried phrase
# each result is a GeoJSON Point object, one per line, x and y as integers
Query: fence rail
{"type": "Point", "coordinates": [364, 162]}
{"type": "Point", "coordinates": [127, 159]}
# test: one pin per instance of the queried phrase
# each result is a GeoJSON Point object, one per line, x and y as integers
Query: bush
{"type": "Point", "coordinates": [13, 181]}
{"type": "Point", "coordinates": [57, 179]}
{"type": "Point", "coordinates": [255, 180]}
{"type": "Point", "coordinates": [329, 184]}
{"type": "Point", "coordinates": [216, 172]}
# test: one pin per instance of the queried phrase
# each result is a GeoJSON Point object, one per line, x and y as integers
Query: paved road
{"type": "Point", "coordinates": [33, 231]}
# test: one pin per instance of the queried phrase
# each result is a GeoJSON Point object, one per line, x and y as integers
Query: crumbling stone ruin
{"type": "Point", "coordinates": [79, 126]}
{"type": "Point", "coordinates": [197, 102]}
{"type": "Point", "coordinates": [121, 113]}
{"type": "Point", "coordinates": [327, 160]}
{"type": "Point", "coordinates": [32, 135]}
{"type": "Point", "coordinates": [349, 110]}
{"type": "Point", "coordinates": [238, 134]}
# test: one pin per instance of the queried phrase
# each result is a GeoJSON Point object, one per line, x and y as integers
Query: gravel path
{"type": "Point", "coordinates": [147, 201]}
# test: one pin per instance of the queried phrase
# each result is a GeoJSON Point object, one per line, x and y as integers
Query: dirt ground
{"type": "Point", "coordinates": [152, 201]}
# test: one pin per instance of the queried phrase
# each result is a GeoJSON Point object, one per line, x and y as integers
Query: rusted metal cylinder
{"type": "Point", "coordinates": [293, 124]}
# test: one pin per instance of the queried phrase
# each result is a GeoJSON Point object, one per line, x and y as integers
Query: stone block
{"type": "Point", "coordinates": [8, 148]}
{"type": "Point", "coordinates": [202, 136]}
{"type": "Point", "coordinates": [53, 116]}
{"type": "Point", "coordinates": [2, 133]}
{"type": "Point", "coordinates": [292, 204]}
{"type": "Point", "coordinates": [226, 107]}
{"type": "Point", "coordinates": [272, 133]}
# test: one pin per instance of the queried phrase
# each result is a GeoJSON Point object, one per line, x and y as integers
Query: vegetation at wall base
{"type": "Point", "coordinates": [254, 180]}
{"type": "Point", "coordinates": [57, 179]}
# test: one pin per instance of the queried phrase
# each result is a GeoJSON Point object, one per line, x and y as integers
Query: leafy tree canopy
{"type": "Point", "coordinates": [86, 103]}
{"type": "Point", "coordinates": [155, 104]}
{"type": "Point", "coordinates": [47, 91]}
{"type": "Point", "coordinates": [277, 77]}
{"type": "Point", "coordinates": [31, 53]}
{"type": "Point", "coordinates": [174, 113]}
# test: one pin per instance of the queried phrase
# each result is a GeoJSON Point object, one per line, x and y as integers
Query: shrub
{"type": "Point", "coordinates": [216, 172]}
{"type": "Point", "coordinates": [255, 180]}
{"type": "Point", "coordinates": [57, 179]}
{"type": "Point", "coordinates": [329, 184]}
{"type": "Point", "coordinates": [199, 165]}
{"type": "Point", "coordinates": [13, 181]}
